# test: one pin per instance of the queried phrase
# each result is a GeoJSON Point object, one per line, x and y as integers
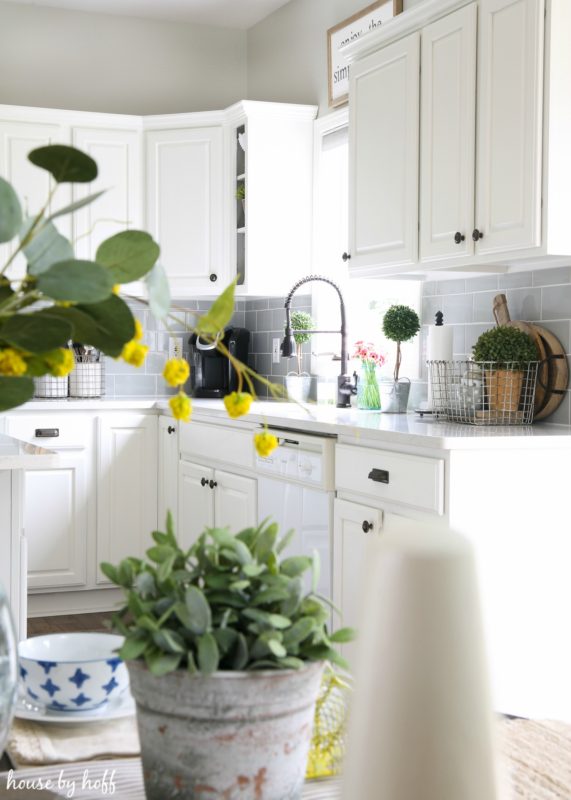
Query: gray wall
{"type": "Point", "coordinates": [98, 62]}
{"type": "Point", "coordinates": [287, 51]}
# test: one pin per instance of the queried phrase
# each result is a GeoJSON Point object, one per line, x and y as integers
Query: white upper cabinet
{"type": "Point", "coordinates": [383, 156]}
{"type": "Point", "coordinates": [494, 162]}
{"type": "Point", "coordinates": [509, 158]}
{"type": "Point", "coordinates": [185, 206]}
{"type": "Point", "coordinates": [448, 119]}
{"type": "Point", "coordinates": [270, 153]}
{"type": "Point", "coordinates": [17, 139]}
{"type": "Point", "coordinates": [118, 156]}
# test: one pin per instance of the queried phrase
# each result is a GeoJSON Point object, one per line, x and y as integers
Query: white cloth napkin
{"type": "Point", "coordinates": [39, 743]}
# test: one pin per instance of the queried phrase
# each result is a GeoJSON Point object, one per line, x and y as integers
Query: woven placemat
{"type": "Point", "coordinates": [537, 759]}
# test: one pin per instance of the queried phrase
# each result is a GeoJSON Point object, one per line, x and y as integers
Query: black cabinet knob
{"type": "Point", "coordinates": [213, 277]}
{"type": "Point", "coordinates": [204, 481]}
{"type": "Point", "coordinates": [171, 429]}
{"type": "Point", "coordinates": [346, 256]}
{"type": "Point", "coordinates": [477, 235]}
{"type": "Point", "coordinates": [367, 526]}
{"type": "Point", "coordinates": [459, 237]}
{"type": "Point", "coordinates": [212, 484]}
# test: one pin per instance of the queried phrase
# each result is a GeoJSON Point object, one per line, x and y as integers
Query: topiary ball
{"type": "Point", "coordinates": [505, 344]}
{"type": "Point", "coordinates": [400, 323]}
{"type": "Point", "coordinates": [301, 321]}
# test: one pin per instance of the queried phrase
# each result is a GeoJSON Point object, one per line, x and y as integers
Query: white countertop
{"type": "Point", "coordinates": [404, 429]}
{"type": "Point", "coordinates": [15, 454]}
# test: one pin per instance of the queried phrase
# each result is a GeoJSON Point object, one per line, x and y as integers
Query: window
{"type": "Point", "coordinates": [366, 300]}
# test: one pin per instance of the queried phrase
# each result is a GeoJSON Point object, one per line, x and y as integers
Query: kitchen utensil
{"type": "Point", "coordinates": [553, 375]}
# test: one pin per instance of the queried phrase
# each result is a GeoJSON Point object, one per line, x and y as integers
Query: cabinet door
{"type": "Point", "coordinates": [195, 501]}
{"type": "Point", "coordinates": [117, 153]}
{"type": "Point", "coordinates": [448, 120]}
{"type": "Point", "coordinates": [350, 547]}
{"type": "Point", "coordinates": [235, 501]}
{"type": "Point", "coordinates": [168, 470]}
{"type": "Point", "coordinates": [56, 521]}
{"type": "Point", "coordinates": [185, 205]}
{"type": "Point", "coordinates": [510, 107]}
{"type": "Point", "coordinates": [32, 184]}
{"type": "Point", "coordinates": [384, 156]}
{"type": "Point", "coordinates": [127, 487]}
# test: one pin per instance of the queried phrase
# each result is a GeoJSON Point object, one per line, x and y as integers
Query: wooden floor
{"type": "Point", "coordinates": [70, 623]}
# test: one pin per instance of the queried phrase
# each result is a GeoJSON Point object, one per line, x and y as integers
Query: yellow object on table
{"type": "Point", "coordinates": [329, 727]}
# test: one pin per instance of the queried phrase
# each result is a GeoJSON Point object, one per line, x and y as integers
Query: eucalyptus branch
{"type": "Point", "coordinates": [31, 232]}
{"type": "Point", "coordinates": [97, 221]}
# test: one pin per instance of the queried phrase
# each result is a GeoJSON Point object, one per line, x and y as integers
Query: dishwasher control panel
{"type": "Point", "coordinates": [306, 459]}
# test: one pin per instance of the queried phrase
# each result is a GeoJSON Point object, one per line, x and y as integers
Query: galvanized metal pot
{"type": "Point", "coordinates": [228, 736]}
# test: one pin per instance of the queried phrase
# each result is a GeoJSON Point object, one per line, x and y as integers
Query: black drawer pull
{"type": "Point", "coordinates": [379, 475]}
{"type": "Point", "coordinates": [47, 433]}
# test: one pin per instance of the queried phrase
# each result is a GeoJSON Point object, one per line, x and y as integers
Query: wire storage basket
{"type": "Point", "coordinates": [483, 392]}
{"type": "Point", "coordinates": [88, 376]}
{"type": "Point", "coordinates": [50, 388]}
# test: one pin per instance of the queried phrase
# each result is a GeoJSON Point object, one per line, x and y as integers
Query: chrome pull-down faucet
{"type": "Point", "coordinates": [345, 386]}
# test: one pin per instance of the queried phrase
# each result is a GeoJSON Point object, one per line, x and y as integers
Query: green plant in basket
{"type": "Point", "coordinates": [301, 321]}
{"type": "Point", "coordinates": [225, 603]}
{"type": "Point", "coordinates": [507, 346]}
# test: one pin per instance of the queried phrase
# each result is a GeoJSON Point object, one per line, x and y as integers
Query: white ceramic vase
{"type": "Point", "coordinates": [422, 727]}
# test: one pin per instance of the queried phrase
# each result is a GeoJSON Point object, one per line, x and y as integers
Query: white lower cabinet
{"type": "Point", "coordinates": [127, 486]}
{"type": "Point", "coordinates": [59, 502]}
{"type": "Point", "coordinates": [353, 524]}
{"type": "Point", "coordinates": [213, 498]}
{"type": "Point", "coordinates": [56, 521]}
{"type": "Point", "coordinates": [168, 470]}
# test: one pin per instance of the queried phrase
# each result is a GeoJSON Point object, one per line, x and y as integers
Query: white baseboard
{"type": "Point", "coordinates": [59, 603]}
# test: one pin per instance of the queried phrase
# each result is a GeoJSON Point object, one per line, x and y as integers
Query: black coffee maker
{"type": "Point", "coordinates": [212, 374]}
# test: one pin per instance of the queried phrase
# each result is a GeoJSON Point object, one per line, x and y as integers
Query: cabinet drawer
{"type": "Point", "coordinates": [414, 481]}
{"type": "Point", "coordinates": [218, 443]}
{"type": "Point", "coordinates": [52, 430]}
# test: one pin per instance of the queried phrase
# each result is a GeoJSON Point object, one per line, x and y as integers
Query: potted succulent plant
{"type": "Point", "coordinates": [225, 652]}
{"type": "Point", "coordinates": [504, 353]}
{"type": "Point", "coordinates": [400, 324]}
{"type": "Point", "coordinates": [241, 196]}
{"type": "Point", "coordinates": [298, 384]}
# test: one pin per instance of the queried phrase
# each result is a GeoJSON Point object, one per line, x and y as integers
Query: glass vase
{"type": "Point", "coordinates": [8, 669]}
{"type": "Point", "coordinates": [368, 397]}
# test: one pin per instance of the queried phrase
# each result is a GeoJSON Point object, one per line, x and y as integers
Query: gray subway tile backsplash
{"type": "Point", "coordinates": [542, 296]}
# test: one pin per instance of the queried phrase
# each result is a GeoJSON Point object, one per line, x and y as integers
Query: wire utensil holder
{"type": "Point", "coordinates": [49, 388]}
{"type": "Point", "coordinates": [88, 376]}
{"type": "Point", "coordinates": [483, 392]}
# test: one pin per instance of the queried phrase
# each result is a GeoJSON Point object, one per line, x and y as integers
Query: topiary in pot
{"type": "Point", "coordinates": [225, 652]}
{"type": "Point", "coordinates": [298, 386]}
{"type": "Point", "coordinates": [400, 324]}
{"type": "Point", "coordinates": [504, 352]}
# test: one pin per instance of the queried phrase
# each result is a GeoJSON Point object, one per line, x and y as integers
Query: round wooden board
{"type": "Point", "coordinates": [558, 373]}
{"type": "Point", "coordinates": [542, 394]}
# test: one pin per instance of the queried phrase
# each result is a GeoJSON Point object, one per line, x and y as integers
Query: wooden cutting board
{"type": "Point", "coordinates": [553, 373]}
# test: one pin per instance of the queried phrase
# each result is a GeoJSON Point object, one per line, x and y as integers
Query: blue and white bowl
{"type": "Point", "coordinates": [72, 671]}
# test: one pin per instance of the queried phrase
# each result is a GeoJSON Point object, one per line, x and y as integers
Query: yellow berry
{"type": "Point", "coordinates": [176, 371]}
{"type": "Point", "coordinates": [265, 443]}
{"type": "Point", "coordinates": [138, 331]}
{"type": "Point", "coordinates": [12, 363]}
{"type": "Point", "coordinates": [60, 362]}
{"type": "Point", "coordinates": [238, 403]}
{"type": "Point", "coordinates": [134, 353]}
{"type": "Point", "coordinates": [181, 407]}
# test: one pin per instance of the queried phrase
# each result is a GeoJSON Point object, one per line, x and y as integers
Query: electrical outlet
{"type": "Point", "coordinates": [175, 346]}
{"type": "Point", "coordinates": [275, 351]}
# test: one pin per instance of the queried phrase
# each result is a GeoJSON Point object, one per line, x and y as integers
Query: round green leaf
{"type": "Point", "coordinates": [66, 164]}
{"type": "Point", "coordinates": [106, 326]}
{"type": "Point", "coordinates": [47, 247]}
{"type": "Point", "coordinates": [128, 255]}
{"type": "Point", "coordinates": [10, 212]}
{"type": "Point", "coordinates": [159, 292]}
{"type": "Point", "coordinates": [15, 392]}
{"type": "Point", "coordinates": [77, 281]}
{"type": "Point", "coordinates": [198, 609]}
{"type": "Point", "coordinates": [36, 333]}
